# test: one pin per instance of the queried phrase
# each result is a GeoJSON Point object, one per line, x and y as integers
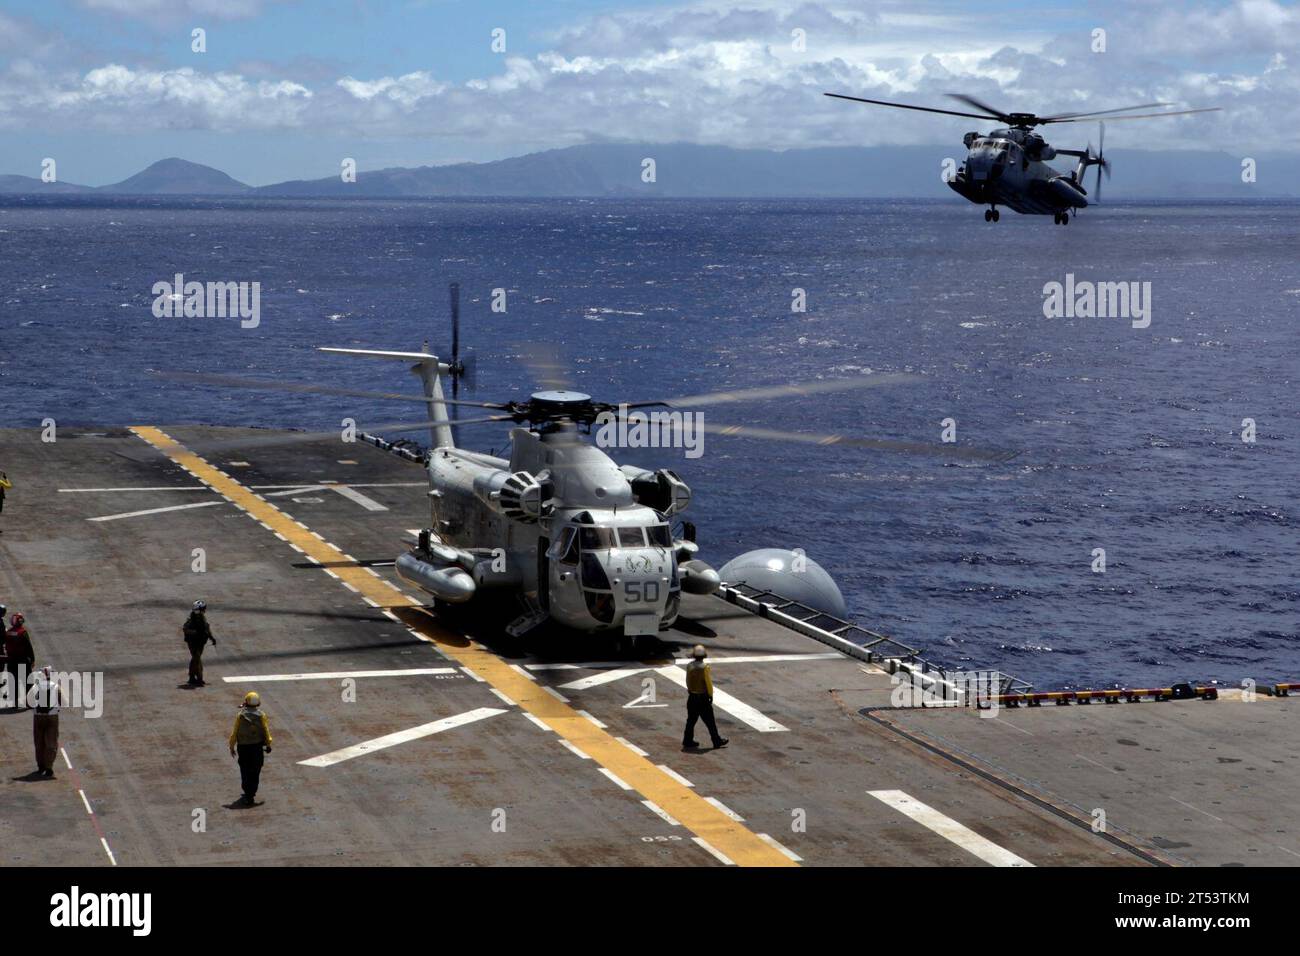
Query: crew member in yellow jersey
{"type": "Point", "coordinates": [699, 700]}
{"type": "Point", "coordinates": [250, 741]}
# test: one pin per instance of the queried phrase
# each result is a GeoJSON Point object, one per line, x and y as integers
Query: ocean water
{"type": "Point", "coordinates": [1128, 439]}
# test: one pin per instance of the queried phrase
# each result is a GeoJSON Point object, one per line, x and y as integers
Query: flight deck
{"type": "Point", "coordinates": [406, 736]}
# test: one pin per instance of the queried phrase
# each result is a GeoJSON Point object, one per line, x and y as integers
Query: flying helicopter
{"type": "Point", "coordinates": [1009, 166]}
{"type": "Point", "coordinates": [580, 540]}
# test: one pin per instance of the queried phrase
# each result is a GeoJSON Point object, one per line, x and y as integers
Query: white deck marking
{"type": "Point", "coordinates": [539, 723]}
{"type": "Point", "coordinates": [660, 812]}
{"type": "Point", "coordinates": [296, 490]}
{"type": "Point", "coordinates": [584, 713]}
{"type": "Point", "coordinates": [352, 484]}
{"type": "Point", "coordinates": [625, 670]}
{"type": "Point", "coordinates": [157, 511]}
{"type": "Point", "coordinates": [615, 777]}
{"type": "Point", "coordinates": [632, 747]}
{"type": "Point", "coordinates": [774, 844]}
{"type": "Point", "coordinates": [948, 828]}
{"type": "Point", "coordinates": [339, 675]}
{"type": "Point", "coordinates": [733, 706]}
{"type": "Point", "coordinates": [725, 809]}
{"type": "Point", "coordinates": [502, 697]}
{"type": "Point", "coordinates": [643, 702]}
{"type": "Point", "coordinates": [1197, 809]}
{"type": "Point", "coordinates": [572, 749]}
{"type": "Point", "coordinates": [370, 504]}
{"type": "Point", "coordinates": [675, 775]}
{"type": "Point", "coordinates": [520, 670]}
{"type": "Point", "coordinates": [556, 694]}
{"type": "Point", "coordinates": [604, 677]}
{"type": "Point", "coordinates": [717, 854]}
{"type": "Point", "coordinates": [402, 736]}
{"type": "Point", "coordinates": [153, 488]}
{"type": "Point", "coordinates": [467, 671]}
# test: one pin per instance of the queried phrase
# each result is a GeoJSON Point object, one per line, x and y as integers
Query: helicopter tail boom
{"type": "Point", "coordinates": [430, 370]}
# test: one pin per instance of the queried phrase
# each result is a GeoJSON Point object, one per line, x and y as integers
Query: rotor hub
{"type": "Point", "coordinates": [559, 405]}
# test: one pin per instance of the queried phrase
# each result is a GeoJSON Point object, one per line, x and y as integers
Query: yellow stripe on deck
{"type": "Point", "coordinates": [730, 838]}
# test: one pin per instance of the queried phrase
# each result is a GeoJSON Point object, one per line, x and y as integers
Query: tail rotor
{"type": "Point", "coordinates": [458, 368]}
{"type": "Point", "coordinates": [1100, 160]}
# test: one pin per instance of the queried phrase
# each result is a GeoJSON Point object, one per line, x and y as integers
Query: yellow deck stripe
{"type": "Point", "coordinates": [732, 839]}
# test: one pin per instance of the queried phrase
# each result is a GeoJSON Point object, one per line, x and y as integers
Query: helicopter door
{"type": "Point", "coordinates": [543, 574]}
{"type": "Point", "coordinates": [562, 571]}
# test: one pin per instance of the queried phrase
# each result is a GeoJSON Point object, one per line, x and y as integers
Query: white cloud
{"type": "Point", "coordinates": [728, 73]}
{"type": "Point", "coordinates": [118, 97]}
{"type": "Point", "coordinates": [407, 90]}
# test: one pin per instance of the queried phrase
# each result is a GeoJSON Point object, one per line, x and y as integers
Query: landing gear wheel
{"type": "Point", "coordinates": [1065, 219]}
{"type": "Point", "coordinates": [988, 215]}
{"type": "Point", "coordinates": [1056, 218]}
{"type": "Point", "coordinates": [996, 215]}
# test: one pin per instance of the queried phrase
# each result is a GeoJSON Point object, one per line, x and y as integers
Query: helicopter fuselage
{"type": "Point", "coordinates": [585, 542]}
{"type": "Point", "coordinates": [1008, 167]}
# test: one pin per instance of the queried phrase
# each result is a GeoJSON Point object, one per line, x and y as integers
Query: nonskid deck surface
{"type": "Point", "coordinates": [402, 738]}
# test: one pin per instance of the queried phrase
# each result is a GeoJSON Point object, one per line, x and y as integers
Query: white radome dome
{"type": "Point", "coordinates": [773, 569]}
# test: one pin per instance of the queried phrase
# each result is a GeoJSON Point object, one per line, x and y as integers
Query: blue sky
{"type": "Point", "coordinates": [289, 87]}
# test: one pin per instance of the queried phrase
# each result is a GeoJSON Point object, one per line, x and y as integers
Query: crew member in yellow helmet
{"type": "Point", "coordinates": [699, 700]}
{"type": "Point", "coordinates": [250, 741]}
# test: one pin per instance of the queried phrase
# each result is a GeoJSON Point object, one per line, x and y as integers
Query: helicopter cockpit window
{"type": "Point", "coordinates": [660, 536]}
{"type": "Point", "coordinates": [596, 539]}
{"type": "Point", "coordinates": [565, 550]}
{"type": "Point", "coordinates": [631, 538]}
{"type": "Point", "coordinates": [594, 577]}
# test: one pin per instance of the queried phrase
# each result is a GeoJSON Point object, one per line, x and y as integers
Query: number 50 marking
{"type": "Point", "coordinates": [637, 592]}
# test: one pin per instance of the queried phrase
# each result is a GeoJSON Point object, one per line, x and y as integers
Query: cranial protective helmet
{"type": "Point", "coordinates": [699, 653]}
{"type": "Point", "coordinates": [252, 700]}
{"type": "Point", "coordinates": [200, 605]}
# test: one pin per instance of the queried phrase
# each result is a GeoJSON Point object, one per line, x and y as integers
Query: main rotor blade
{"type": "Point", "coordinates": [1114, 119]}
{"type": "Point", "coordinates": [782, 391]}
{"type": "Point", "coordinates": [1123, 109]}
{"type": "Point", "coordinates": [980, 105]}
{"type": "Point", "coordinates": [879, 444]}
{"type": "Point", "coordinates": [548, 369]}
{"type": "Point", "coordinates": [232, 381]}
{"type": "Point", "coordinates": [299, 438]}
{"type": "Point", "coordinates": [905, 106]}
